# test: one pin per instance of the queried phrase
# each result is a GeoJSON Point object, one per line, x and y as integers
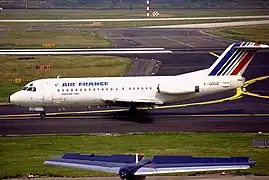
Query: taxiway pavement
{"type": "Point", "coordinates": [217, 113]}
{"type": "Point", "coordinates": [214, 177]}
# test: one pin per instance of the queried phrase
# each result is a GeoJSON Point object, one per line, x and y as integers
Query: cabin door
{"type": "Point", "coordinates": [57, 96]}
{"type": "Point", "coordinates": [47, 93]}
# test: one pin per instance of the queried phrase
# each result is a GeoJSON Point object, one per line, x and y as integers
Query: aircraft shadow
{"type": "Point", "coordinates": [208, 112]}
{"type": "Point", "coordinates": [147, 116]}
{"type": "Point", "coordinates": [140, 116]}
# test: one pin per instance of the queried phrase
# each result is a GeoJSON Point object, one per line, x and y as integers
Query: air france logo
{"type": "Point", "coordinates": [85, 84]}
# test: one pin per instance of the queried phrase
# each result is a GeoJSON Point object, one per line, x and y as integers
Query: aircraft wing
{"type": "Point", "coordinates": [139, 101]}
{"type": "Point", "coordinates": [131, 165]}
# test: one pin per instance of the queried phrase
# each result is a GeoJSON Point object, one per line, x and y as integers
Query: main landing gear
{"type": "Point", "coordinates": [42, 115]}
{"type": "Point", "coordinates": [133, 109]}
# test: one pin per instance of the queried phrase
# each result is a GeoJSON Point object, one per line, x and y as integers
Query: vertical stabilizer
{"type": "Point", "coordinates": [235, 59]}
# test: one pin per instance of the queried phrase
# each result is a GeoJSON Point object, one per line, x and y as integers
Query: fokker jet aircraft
{"type": "Point", "coordinates": [224, 75]}
{"type": "Point", "coordinates": [134, 167]}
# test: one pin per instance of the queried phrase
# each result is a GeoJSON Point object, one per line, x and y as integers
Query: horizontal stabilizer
{"type": "Point", "coordinates": [257, 46]}
{"type": "Point", "coordinates": [104, 163]}
{"type": "Point", "coordinates": [135, 165]}
{"type": "Point", "coordinates": [119, 158]}
{"type": "Point", "coordinates": [191, 159]}
{"type": "Point", "coordinates": [175, 164]}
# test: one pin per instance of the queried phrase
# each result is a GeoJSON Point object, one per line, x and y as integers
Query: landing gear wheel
{"type": "Point", "coordinates": [133, 109]}
{"type": "Point", "coordinates": [42, 115]}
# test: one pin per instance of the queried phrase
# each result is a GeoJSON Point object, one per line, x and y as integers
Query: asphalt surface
{"type": "Point", "coordinates": [191, 52]}
{"type": "Point", "coordinates": [215, 177]}
{"type": "Point", "coordinates": [166, 38]}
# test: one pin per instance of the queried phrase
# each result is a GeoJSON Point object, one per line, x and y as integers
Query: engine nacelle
{"type": "Point", "coordinates": [172, 89]}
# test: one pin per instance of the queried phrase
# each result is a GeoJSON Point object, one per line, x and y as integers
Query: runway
{"type": "Point", "coordinates": [243, 110]}
{"type": "Point", "coordinates": [132, 19]}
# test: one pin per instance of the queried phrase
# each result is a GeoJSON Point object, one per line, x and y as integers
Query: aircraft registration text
{"type": "Point", "coordinates": [211, 83]}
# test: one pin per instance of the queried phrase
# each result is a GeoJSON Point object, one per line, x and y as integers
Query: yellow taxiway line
{"type": "Point", "coordinates": [214, 54]}
{"type": "Point", "coordinates": [244, 91]}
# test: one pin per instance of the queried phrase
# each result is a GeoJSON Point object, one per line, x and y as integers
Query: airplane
{"type": "Point", "coordinates": [136, 167]}
{"type": "Point", "coordinates": [225, 74]}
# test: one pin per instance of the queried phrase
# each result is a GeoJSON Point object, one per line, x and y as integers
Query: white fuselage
{"type": "Point", "coordinates": [71, 92]}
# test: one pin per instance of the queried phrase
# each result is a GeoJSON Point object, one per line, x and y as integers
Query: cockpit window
{"type": "Point", "coordinates": [30, 89]}
{"type": "Point", "coordinates": [27, 88]}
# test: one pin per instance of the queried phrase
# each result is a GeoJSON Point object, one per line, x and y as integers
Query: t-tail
{"type": "Point", "coordinates": [235, 59]}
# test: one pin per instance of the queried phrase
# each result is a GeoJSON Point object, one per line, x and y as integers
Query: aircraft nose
{"type": "Point", "coordinates": [15, 98]}
{"type": "Point", "coordinates": [10, 99]}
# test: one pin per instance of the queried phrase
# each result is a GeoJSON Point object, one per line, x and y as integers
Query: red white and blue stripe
{"type": "Point", "coordinates": [234, 59]}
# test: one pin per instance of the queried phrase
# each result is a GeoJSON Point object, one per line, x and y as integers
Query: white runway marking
{"type": "Point", "coordinates": [138, 19]}
{"type": "Point", "coordinates": [212, 25]}
{"type": "Point", "coordinates": [85, 52]}
{"type": "Point", "coordinates": [85, 49]}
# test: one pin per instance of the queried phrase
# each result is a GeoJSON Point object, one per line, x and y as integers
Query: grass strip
{"type": "Point", "coordinates": [257, 33]}
{"type": "Point", "coordinates": [23, 155]}
{"type": "Point", "coordinates": [123, 13]}
{"type": "Point", "coordinates": [17, 38]}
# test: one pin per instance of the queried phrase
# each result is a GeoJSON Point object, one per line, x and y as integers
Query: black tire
{"type": "Point", "coordinates": [42, 115]}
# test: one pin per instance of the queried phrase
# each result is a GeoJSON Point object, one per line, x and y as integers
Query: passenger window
{"type": "Point", "coordinates": [130, 88]}
{"type": "Point", "coordinates": [111, 89]}
{"type": "Point", "coordinates": [150, 88]}
{"type": "Point", "coordinates": [93, 89]}
{"type": "Point", "coordinates": [67, 90]}
{"type": "Point", "coordinates": [89, 89]}
{"type": "Point", "coordinates": [58, 90]}
{"type": "Point", "coordinates": [62, 90]}
{"type": "Point", "coordinates": [97, 89]}
{"type": "Point", "coordinates": [102, 89]}
{"type": "Point", "coordinates": [85, 89]}
{"type": "Point", "coordinates": [80, 89]}
{"type": "Point", "coordinates": [71, 89]}
{"type": "Point", "coordinates": [133, 88]}
{"type": "Point", "coordinates": [146, 88]}
{"type": "Point", "coordinates": [138, 88]}
{"type": "Point", "coordinates": [107, 89]}
{"type": "Point", "coordinates": [141, 88]}
{"type": "Point", "coordinates": [123, 89]}
{"type": "Point", "coordinates": [116, 89]}
{"type": "Point", "coordinates": [76, 89]}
